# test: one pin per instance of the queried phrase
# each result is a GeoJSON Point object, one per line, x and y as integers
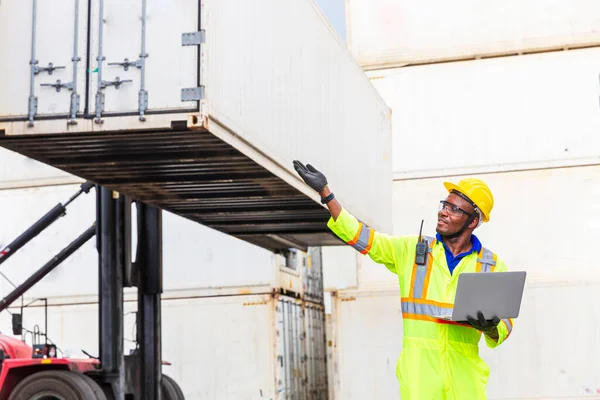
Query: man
{"type": "Point", "coordinates": [439, 358]}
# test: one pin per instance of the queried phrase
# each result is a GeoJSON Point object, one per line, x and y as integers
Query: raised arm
{"type": "Point", "coordinates": [378, 246]}
{"type": "Point", "coordinates": [316, 180]}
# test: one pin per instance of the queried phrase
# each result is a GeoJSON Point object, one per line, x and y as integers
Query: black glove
{"type": "Point", "coordinates": [486, 326]}
{"type": "Point", "coordinates": [311, 176]}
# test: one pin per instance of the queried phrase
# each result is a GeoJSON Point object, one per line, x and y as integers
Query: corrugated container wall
{"type": "Point", "coordinates": [309, 87]}
{"type": "Point", "coordinates": [17, 171]}
{"type": "Point", "coordinates": [340, 265]}
{"type": "Point", "coordinates": [503, 114]}
{"type": "Point", "coordinates": [390, 33]}
{"type": "Point", "coordinates": [257, 346]}
{"type": "Point", "coordinates": [365, 342]}
{"type": "Point", "coordinates": [294, 94]}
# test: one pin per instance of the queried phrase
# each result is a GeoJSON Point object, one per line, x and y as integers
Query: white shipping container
{"type": "Point", "coordinates": [18, 171]}
{"type": "Point", "coordinates": [543, 360]}
{"type": "Point", "coordinates": [540, 360]}
{"type": "Point", "coordinates": [385, 33]}
{"type": "Point", "coordinates": [529, 206]}
{"type": "Point", "coordinates": [21, 208]}
{"type": "Point", "coordinates": [340, 264]}
{"type": "Point", "coordinates": [233, 347]}
{"type": "Point", "coordinates": [269, 82]}
{"type": "Point", "coordinates": [503, 114]}
{"type": "Point", "coordinates": [366, 342]}
{"type": "Point", "coordinates": [194, 257]}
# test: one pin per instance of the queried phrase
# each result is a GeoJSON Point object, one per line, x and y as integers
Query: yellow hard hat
{"type": "Point", "coordinates": [477, 192]}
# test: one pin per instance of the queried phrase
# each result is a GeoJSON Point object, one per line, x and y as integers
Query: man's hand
{"type": "Point", "coordinates": [488, 326]}
{"type": "Point", "coordinates": [311, 176]}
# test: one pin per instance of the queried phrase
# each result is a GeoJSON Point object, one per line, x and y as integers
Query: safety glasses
{"type": "Point", "coordinates": [452, 209]}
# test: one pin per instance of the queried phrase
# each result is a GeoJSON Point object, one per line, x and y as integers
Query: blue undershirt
{"type": "Point", "coordinates": [453, 261]}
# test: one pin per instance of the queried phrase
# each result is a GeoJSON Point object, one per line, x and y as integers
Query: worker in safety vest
{"type": "Point", "coordinates": [439, 358]}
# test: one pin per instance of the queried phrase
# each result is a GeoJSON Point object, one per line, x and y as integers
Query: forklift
{"type": "Point", "coordinates": [29, 372]}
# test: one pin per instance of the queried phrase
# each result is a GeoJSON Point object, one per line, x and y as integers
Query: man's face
{"type": "Point", "coordinates": [453, 215]}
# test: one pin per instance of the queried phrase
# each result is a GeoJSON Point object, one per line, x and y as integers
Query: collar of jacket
{"type": "Point", "coordinates": [450, 258]}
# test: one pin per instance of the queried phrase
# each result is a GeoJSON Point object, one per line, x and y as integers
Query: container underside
{"type": "Point", "coordinates": [193, 174]}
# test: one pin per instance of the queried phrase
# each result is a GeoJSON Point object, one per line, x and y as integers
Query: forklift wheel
{"type": "Point", "coordinates": [170, 389]}
{"type": "Point", "coordinates": [59, 384]}
{"type": "Point", "coordinates": [95, 388]}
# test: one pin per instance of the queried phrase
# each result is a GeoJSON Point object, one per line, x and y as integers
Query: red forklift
{"type": "Point", "coordinates": [36, 372]}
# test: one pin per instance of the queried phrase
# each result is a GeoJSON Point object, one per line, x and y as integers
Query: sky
{"type": "Point", "coordinates": [334, 11]}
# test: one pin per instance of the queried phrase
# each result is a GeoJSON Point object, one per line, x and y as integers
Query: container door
{"type": "Point", "coordinates": [291, 376]}
{"type": "Point", "coordinates": [145, 57]}
{"type": "Point", "coordinates": [43, 53]}
{"type": "Point", "coordinates": [316, 360]}
{"type": "Point", "coordinates": [313, 276]}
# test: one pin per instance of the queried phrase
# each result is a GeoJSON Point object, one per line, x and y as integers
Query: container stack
{"type": "Point", "coordinates": [506, 92]}
{"type": "Point", "coordinates": [238, 321]}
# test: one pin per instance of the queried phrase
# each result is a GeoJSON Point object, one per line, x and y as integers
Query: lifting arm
{"type": "Point", "coordinates": [58, 211]}
{"type": "Point", "coordinates": [47, 268]}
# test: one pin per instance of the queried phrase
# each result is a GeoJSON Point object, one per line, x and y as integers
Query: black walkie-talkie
{"type": "Point", "coordinates": [421, 253]}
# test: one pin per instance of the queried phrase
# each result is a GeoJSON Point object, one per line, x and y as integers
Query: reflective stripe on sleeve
{"type": "Point", "coordinates": [363, 240]}
{"type": "Point", "coordinates": [509, 326]}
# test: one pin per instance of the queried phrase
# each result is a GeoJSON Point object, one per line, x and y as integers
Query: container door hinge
{"type": "Point", "coordinates": [33, 107]}
{"type": "Point", "coordinates": [193, 38]}
{"type": "Point", "coordinates": [142, 103]}
{"type": "Point", "coordinates": [75, 102]}
{"type": "Point", "coordinates": [192, 94]}
{"type": "Point", "coordinates": [99, 107]}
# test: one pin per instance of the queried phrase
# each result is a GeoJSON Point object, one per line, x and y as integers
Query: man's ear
{"type": "Point", "coordinates": [474, 223]}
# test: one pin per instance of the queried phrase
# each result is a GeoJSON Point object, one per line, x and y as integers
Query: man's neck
{"type": "Point", "coordinates": [459, 244]}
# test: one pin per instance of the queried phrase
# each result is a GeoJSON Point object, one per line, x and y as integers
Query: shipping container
{"type": "Point", "coordinates": [364, 345]}
{"type": "Point", "coordinates": [18, 171]}
{"type": "Point", "coordinates": [232, 347]}
{"type": "Point", "coordinates": [390, 33]}
{"type": "Point", "coordinates": [316, 353]}
{"type": "Point", "coordinates": [540, 360]}
{"type": "Point", "coordinates": [524, 112]}
{"type": "Point", "coordinates": [528, 207]}
{"type": "Point", "coordinates": [194, 257]}
{"type": "Point", "coordinates": [340, 265]}
{"type": "Point", "coordinates": [207, 120]}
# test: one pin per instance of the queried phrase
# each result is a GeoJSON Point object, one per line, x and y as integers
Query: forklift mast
{"type": "Point", "coordinates": [138, 374]}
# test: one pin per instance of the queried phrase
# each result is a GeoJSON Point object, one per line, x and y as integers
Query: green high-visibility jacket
{"type": "Point", "coordinates": [439, 358]}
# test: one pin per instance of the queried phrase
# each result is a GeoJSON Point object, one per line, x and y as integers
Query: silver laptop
{"type": "Point", "coordinates": [495, 294]}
